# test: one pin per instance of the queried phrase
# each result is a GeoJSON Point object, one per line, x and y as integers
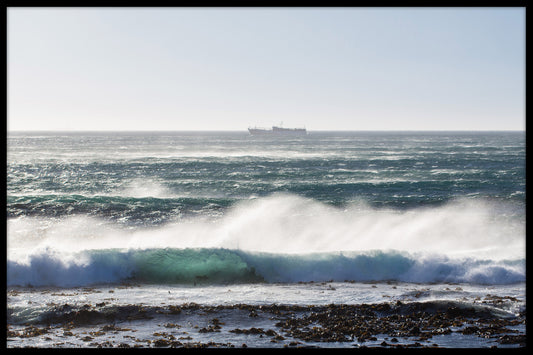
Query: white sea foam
{"type": "Point", "coordinates": [144, 188]}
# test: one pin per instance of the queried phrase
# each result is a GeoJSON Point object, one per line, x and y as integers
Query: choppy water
{"type": "Point", "coordinates": [226, 207]}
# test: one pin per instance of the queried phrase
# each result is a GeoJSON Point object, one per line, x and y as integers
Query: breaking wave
{"type": "Point", "coordinates": [280, 238]}
{"type": "Point", "coordinates": [223, 266]}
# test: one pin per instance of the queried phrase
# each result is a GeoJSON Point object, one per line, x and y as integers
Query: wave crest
{"type": "Point", "coordinates": [222, 266]}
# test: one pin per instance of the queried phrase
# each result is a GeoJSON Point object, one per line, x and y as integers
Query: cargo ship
{"type": "Point", "coordinates": [279, 131]}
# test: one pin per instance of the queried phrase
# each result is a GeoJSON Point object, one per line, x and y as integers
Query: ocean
{"type": "Point", "coordinates": [223, 239]}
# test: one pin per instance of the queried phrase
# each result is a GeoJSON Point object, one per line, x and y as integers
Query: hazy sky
{"type": "Point", "coordinates": [231, 68]}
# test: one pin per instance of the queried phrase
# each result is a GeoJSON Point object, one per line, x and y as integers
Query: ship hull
{"type": "Point", "coordinates": [278, 131]}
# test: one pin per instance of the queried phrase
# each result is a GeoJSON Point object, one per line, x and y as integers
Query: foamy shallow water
{"type": "Point", "coordinates": [315, 293]}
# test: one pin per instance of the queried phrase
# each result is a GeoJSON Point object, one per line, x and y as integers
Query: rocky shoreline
{"type": "Point", "coordinates": [392, 325]}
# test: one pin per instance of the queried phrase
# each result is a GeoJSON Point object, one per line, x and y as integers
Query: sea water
{"type": "Point", "coordinates": [229, 218]}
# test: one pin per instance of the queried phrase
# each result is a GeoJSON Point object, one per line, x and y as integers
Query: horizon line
{"type": "Point", "coordinates": [245, 130]}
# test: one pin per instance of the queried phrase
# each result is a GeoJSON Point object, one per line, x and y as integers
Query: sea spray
{"type": "Point", "coordinates": [291, 224]}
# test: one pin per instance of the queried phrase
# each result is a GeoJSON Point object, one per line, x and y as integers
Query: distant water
{"type": "Point", "coordinates": [217, 208]}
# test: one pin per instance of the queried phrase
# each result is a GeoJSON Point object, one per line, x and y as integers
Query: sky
{"type": "Point", "coordinates": [233, 68]}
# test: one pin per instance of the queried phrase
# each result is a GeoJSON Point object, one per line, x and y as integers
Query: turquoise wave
{"type": "Point", "coordinates": [225, 266]}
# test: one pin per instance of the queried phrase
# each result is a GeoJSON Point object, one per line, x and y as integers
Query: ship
{"type": "Point", "coordinates": [277, 131]}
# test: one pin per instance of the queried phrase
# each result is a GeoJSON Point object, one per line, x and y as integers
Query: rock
{"type": "Point", "coordinates": [512, 339]}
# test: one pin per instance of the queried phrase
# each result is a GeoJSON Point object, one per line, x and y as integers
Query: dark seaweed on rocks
{"type": "Point", "coordinates": [330, 323]}
{"type": "Point", "coordinates": [417, 321]}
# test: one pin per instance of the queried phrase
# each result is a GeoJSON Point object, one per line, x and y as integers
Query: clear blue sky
{"type": "Point", "coordinates": [230, 68]}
